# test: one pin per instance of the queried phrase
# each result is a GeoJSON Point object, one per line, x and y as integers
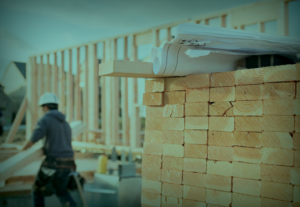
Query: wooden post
{"type": "Point", "coordinates": [124, 99]}
{"type": "Point", "coordinates": [283, 19]}
{"type": "Point", "coordinates": [55, 82]}
{"type": "Point", "coordinates": [70, 99]}
{"type": "Point", "coordinates": [48, 78]}
{"type": "Point", "coordinates": [206, 22]}
{"type": "Point", "coordinates": [86, 95]}
{"type": "Point", "coordinates": [134, 117]}
{"type": "Point", "coordinates": [62, 98]}
{"type": "Point", "coordinates": [108, 108]}
{"type": "Point", "coordinates": [223, 20]}
{"type": "Point", "coordinates": [155, 38]}
{"type": "Point", "coordinates": [103, 99]}
{"type": "Point", "coordinates": [93, 94]}
{"type": "Point", "coordinates": [169, 35]}
{"type": "Point", "coordinates": [31, 96]}
{"type": "Point", "coordinates": [78, 113]}
{"type": "Point", "coordinates": [261, 27]}
{"type": "Point", "coordinates": [20, 115]}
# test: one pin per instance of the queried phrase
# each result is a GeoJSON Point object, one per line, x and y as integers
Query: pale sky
{"type": "Point", "coordinates": [33, 26]}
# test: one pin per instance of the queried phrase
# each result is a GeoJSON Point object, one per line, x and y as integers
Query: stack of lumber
{"type": "Point", "coordinates": [223, 139]}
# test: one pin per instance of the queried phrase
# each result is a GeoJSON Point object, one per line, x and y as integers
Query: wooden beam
{"type": "Point", "coordinates": [20, 160]}
{"type": "Point", "coordinates": [283, 19]}
{"type": "Point", "coordinates": [261, 27]}
{"type": "Point", "coordinates": [122, 68]}
{"type": "Point", "coordinates": [70, 87]}
{"type": "Point", "coordinates": [169, 35]}
{"type": "Point", "coordinates": [77, 88]}
{"type": "Point", "coordinates": [93, 88]}
{"type": "Point", "coordinates": [115, 99]}
{"type": "Point", "coordinates": [20, 115]}
{"type": "Point", "coordinates": [103, 98]}
{"type": "Point", "coordinates": [55, 81]}
{"type": "Point", "coordinates": [48, 78]}
{"type": "Point", "coordinates": [124, 99]}
{"type": "Point", "coordinates": [223, 20]}
{"type": "Point", "coordinates": [31, 95]}
{"type": "Point", "coordinates": [155, 38]}
{"type": "Point", "coordinates": [107, 98]}
{"type": "Point", "coordinates": [62, 99]}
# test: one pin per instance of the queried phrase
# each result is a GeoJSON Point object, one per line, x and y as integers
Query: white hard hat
{"type": "Point", "coordinates": [48, 98]}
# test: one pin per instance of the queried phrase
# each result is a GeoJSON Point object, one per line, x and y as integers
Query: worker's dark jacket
{"type": "Point", "coordinates": [53, 176]}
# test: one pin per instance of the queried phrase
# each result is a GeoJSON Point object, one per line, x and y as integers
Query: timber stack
{"type": "Point", "coordinates": [223, 139]}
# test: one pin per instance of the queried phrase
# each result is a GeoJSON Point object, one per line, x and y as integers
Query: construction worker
{"type": "Point", "coordinates": [53, 176]}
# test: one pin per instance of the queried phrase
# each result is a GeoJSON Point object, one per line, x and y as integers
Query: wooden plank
{"type": "Point", "coordinates": [196, 123]}
{"type": "Point", "coordinates": [222, 94]}
{"type": "Point", "coordinates": [150, 199]}
{"type": "Point", "coordinates": [173, 111]}
{"type": "Point", "coordinates": [62, 99]}
{"type": "Point", "coordinates": [279, 107]}
{"type": "Point", "coordinates": [220, 139]}
{"type": "Point", "coordinates": [151, 186]}
{"type": "Point", "coordinates": [276, 191]}
{"type": "Point", "coordinates": [220, 153]}
{"type": "Point", "coordinates": [93, 89]}
{"type": "Point", "coordinates": [173, 137]}
{"type": "Point", "coordinates": [279, 90]}
{"type": "Point", "coordinates": [277, 140]}
{"type": "Point", "coordinates": [172, 190]}
{"type": "Point", "coordinates": [174, 97]}
{"type": "Point", "coordinates": [17, 121]}
{"type": "Point", "coordinates": [172, 163]}
{"type": "Point", "coordinates": [221, 124]}
{"type": "Point", "coordinates": [55, 81]}
{"type": "Point", "coordinates": [48, 80]}
{"type": "Point", "coordinates": [194, 165]}
{"type": "Point", "coordinates": [31, 96]}
{"type": "Point", "coordinates": [248, 123]}
{"type": "Point", "coordinates": [247, 139]}
{"type": "Point", "coordinates": [170, 201]}
{"type": "Point", "coordinates": [280, 73]}
{"type": "Point", "coordinates": [246, 170]}
{"type": "Point", "coordinates": [248, 77]}
{"type": "Point", "coordinates": [222, 79]}
{"type": "Point", "coordinates": [246, 186]}
{"type": "Point", "coordinates": [197, 95]}
{"type": "Point", "coordinates": [195, 137]}
{"type": "Point", "coordinates": [277, 156]}
{"type": "Point", "coordinates": [196, 109]}
{"type": "Point", "coordinates": [194, 179]}
{"type": "Point", "coordinates": [223, 168]}
{"type": "Point", "coordinates": [157, 85]}
{"type": "Point", "coordinates": [155, 38]}
{"type": "Point", "coordinates": [70, 87]}
{"type": "Point", "coordinates": [174, 150]}
{"type": "Point", "coordinates": [195, 151]}
{"type": "Point", "coordinates": [171, 176]}
{"type": "Point", "coordinates": [245, 200]}
{"type": "Point", "coordinates": [248, 108]}
{"type": "Point", "coordinates": [218, 197]}
{"type": "Point", "coordinates": [195, 194]}
{"type": "Point", "coordinates": [218, 182]}
{"type": "Point", "coordinates": [77, 88]}
{"type": "Point", "coordinates": [278, 123]}
{"type": "Point", "coordinates": [20, 160]}
{"type": "Point", "coordinates": [124, 107]}
{"type": "Point", "coordinates": [153, 99]}
{"type": "Point", "coordinates": [220, 108]}
{"type": "Point", "coordinates": [122, 68]}
{"type": "Point", "coordinates": [152, 161]}
{"type": "Point", "coordinates": [249, 155]}
{"type": "Point", "coordinates": [249, 92]}
{"type": "Point", "coordinates": [175, 84]}
{"type": "Point", "coordinates": [275, 173]}
{"type": "Point", "coordinates": [198, 81]}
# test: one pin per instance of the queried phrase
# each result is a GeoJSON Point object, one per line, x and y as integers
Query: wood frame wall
{"type": "Point", "coordinates": [86, 101]}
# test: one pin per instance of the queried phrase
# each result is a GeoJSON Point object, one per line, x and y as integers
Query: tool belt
{"type": "Point", "coordinates": [54, 176]}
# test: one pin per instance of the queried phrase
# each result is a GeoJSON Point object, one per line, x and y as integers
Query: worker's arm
{"type": "Point", "coordinates": [38, 133]}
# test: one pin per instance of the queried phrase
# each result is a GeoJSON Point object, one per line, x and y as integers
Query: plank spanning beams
{"type": "Point", "coordinates": [121, 68]}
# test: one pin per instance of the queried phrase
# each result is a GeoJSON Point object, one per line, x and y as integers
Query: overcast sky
{"type": "Point", "coordinates": [29, 27]}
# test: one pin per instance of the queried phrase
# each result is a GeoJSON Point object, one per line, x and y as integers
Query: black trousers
{"type": "Point", "coordinates": [53, 178]}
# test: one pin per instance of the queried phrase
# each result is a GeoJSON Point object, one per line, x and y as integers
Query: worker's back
{"type": "Point", "coordinates": [58, 134]}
